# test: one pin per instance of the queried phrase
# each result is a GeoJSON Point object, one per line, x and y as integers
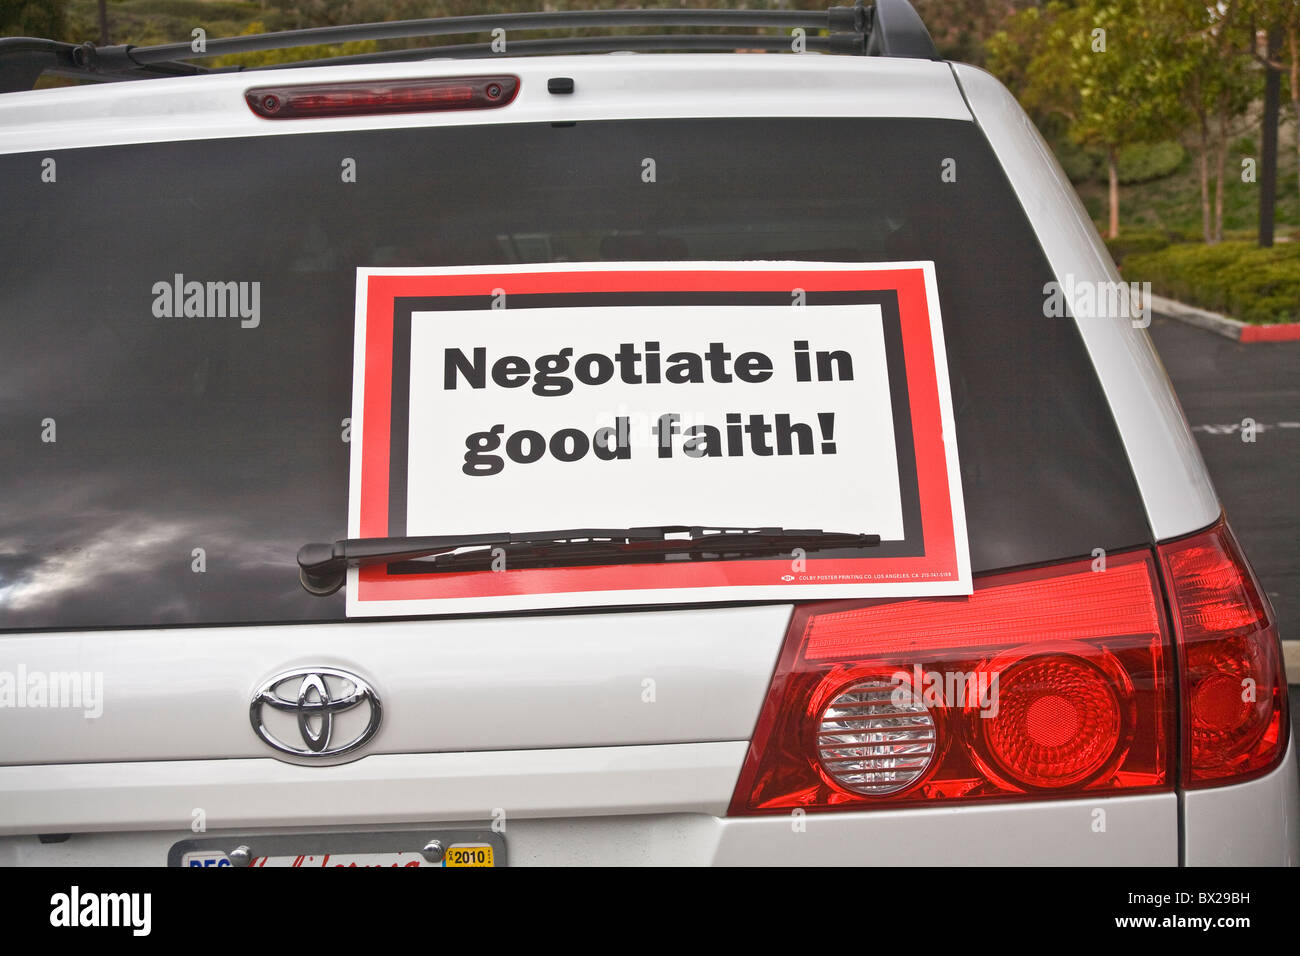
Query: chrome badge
{"type": "Point", "coordinates": [315, 698]}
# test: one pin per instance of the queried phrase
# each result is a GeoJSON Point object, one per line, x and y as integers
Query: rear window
{"type": "Point", "coordinates": [138, 449]}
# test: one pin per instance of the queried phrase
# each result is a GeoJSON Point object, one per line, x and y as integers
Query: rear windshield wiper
{"type": "Point", "coordinates": [323, 567]}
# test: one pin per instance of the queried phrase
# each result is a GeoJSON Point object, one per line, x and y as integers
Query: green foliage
{"type": "Point", "coordinates": [1140, 241]}
{"type": "Point", "coordinates": [1080, 164]}
{"type": "Point", "coordinates": [143, 22]}
{"type": "Point", "coordinates": [1143, 162]}
{"type": "Point", "coordinates": [293, 54]}
{"type": "Point", "coordinates": [1203, 48]}
{"type": "Point", "coordinates": [34, 18]}
{"type": "Point", "coordinates": [1138, 163]}
{"type": "Point", "coordinates": [197, 11]}
{"type": "Point", "coordinates": [1096, 63]}
{"type": "Point", "coordinates": [1239, 279]}
{"type": "Point", "coordinates": [960, 28]}
{"type": "Point", "coordinates": [1122, 89]}
{"type": "Point", "coordinates": [1027, 54]}
{"type": "Point", "coordinates": [1244, 146]}
{"type": "Point", "coordinates": [1173, 203]}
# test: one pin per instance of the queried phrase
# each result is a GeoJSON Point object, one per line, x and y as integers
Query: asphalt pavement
{"type": "Point", "coordinates": [1294, 697]}
{"type": "Point", "coordinates": [1221, 384]}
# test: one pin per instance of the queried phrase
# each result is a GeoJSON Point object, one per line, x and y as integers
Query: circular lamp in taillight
{"type": "Point", "coordinates": [876, 737]}
{"type": "Point", "coordinates": [1229, 714]}
{"type": "Point", "coordinates": [1058, 719]}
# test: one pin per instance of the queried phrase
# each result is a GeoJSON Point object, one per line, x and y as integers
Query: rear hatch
{"type": "Point", "coordinates": [160, 473]}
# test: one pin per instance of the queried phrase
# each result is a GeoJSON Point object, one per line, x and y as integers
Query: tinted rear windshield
{"type": "Point", "coordinates": [161, 470]}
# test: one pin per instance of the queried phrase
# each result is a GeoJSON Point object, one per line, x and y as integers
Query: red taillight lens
{"type": "Point", "coordinates": [1063, 718]}
{"type": "Point", "coordinates": [382, 96]}
{"type": "Point", "coordinates": [1234, 690]}
{"type": "Point", "coordinates": [1042, 683]}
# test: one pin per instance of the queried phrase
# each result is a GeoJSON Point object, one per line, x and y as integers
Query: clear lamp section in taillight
{"type": "Point", "coordinates": [876, 736]}
{"type": "Point", "coordinates": [1234, 695]}
{"type": "Point", "coordinates": [1042, 684]}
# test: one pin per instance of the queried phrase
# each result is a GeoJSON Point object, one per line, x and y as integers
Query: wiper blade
{"type": "Point", "coordinates": [323, 567]}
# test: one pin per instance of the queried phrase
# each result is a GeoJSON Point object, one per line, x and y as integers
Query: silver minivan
{"type": "Point", "coordinates": [190, 673]}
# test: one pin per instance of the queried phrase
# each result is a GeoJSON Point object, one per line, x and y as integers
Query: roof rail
{"type": "Point", "coordinates": [887, 28]}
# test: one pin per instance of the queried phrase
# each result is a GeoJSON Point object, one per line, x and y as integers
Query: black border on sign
{"type": "Point", "coordinates": [404, 308]}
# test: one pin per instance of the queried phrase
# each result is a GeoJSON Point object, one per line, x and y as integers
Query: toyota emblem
{"type": "Point", "coordinates": [315, 696]}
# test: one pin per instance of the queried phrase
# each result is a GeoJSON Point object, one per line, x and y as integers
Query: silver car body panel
{"type": "Point", "coordinates": [608, 87]}
{"type": "Point", "coordinates": [1256, 823]}
{"type": "Point", "coordinates": [575, 680]}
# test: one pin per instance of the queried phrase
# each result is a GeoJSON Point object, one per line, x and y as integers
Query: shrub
{"type": "Point", "coordinates": [1137, 241]}
{"type": "Point", "coordinates": [1145, 162]}
{"type": "Point", "coordinates": [1079, 164]}
{"type": "Point", "coordinates": [1239, 279]}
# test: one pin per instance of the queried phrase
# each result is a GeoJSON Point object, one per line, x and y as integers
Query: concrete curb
{"type": "Point", "coordinates": [1222, 325]}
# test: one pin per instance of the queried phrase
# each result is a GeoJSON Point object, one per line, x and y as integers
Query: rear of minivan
{"type": "Point", "coordinates": [161, 471]}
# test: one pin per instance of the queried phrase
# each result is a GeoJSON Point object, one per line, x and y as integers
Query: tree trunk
{"type": "Point", "coordinates": [1203, 164]}
{"type": "Point", "coordinates": [1268, 144]}
{"type": "Point", "coordinates": [1220, 161]}
{"type": "Point", "coordinates": [1293, 41]}
{"type": "Point", "coordinates": [1112, 164]}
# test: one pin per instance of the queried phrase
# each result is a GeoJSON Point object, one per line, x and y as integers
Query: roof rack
{"type": "Point", "coordinates": [887, 28]}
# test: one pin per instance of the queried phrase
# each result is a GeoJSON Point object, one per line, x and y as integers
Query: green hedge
{"type": "Point", "coordinates": [1079, 164]}
{"type": "Point", "coordinates": [1133, 242]}
{"type": "Point", "coordinates": [1139, 163]}
{"type": "Point", "coordinates": [1239, 279]}
{"type": "Point", "coordinates": [1147, 161]}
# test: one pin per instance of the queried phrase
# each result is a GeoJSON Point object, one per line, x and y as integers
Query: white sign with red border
{"type": "Point", "coordinates": [607, 395]}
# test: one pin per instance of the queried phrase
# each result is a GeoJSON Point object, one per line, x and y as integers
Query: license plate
{"type": "Point", "coordinates": [412, 848]}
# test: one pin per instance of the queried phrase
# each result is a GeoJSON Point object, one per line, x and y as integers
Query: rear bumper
{"type": "Point", "coordinates": [660, 805]}
{"type": "Point", "coordinates": [1139, 831]}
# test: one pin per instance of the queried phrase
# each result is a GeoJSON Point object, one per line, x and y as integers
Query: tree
{"type": "Point", "coordinates": [1102, 66]}
{"type": "Point", "coordinates": [1215, 87]}
{"type": "Point", "coordinates": [1024, 55]}
{"type": "Point", "coordinates": [961, 28]}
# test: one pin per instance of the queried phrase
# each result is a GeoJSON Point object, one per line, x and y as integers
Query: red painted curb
{"type": "Point", "coordinates": [1286, 332]}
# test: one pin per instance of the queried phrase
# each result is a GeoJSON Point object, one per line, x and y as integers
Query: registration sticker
{"type": "Point", "coordinates": [469, 856]}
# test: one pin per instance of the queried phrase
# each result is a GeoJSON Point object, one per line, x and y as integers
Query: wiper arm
{"type": "Point", "coordinates": [323, 567]}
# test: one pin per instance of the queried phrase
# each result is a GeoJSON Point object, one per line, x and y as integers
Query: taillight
{"type": "Point", "coordinates": [1234, 694]}
{"type": "Point", "coordinates": [1043, 683]}
{"type": "Point", "coordinates": [312, 100]}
